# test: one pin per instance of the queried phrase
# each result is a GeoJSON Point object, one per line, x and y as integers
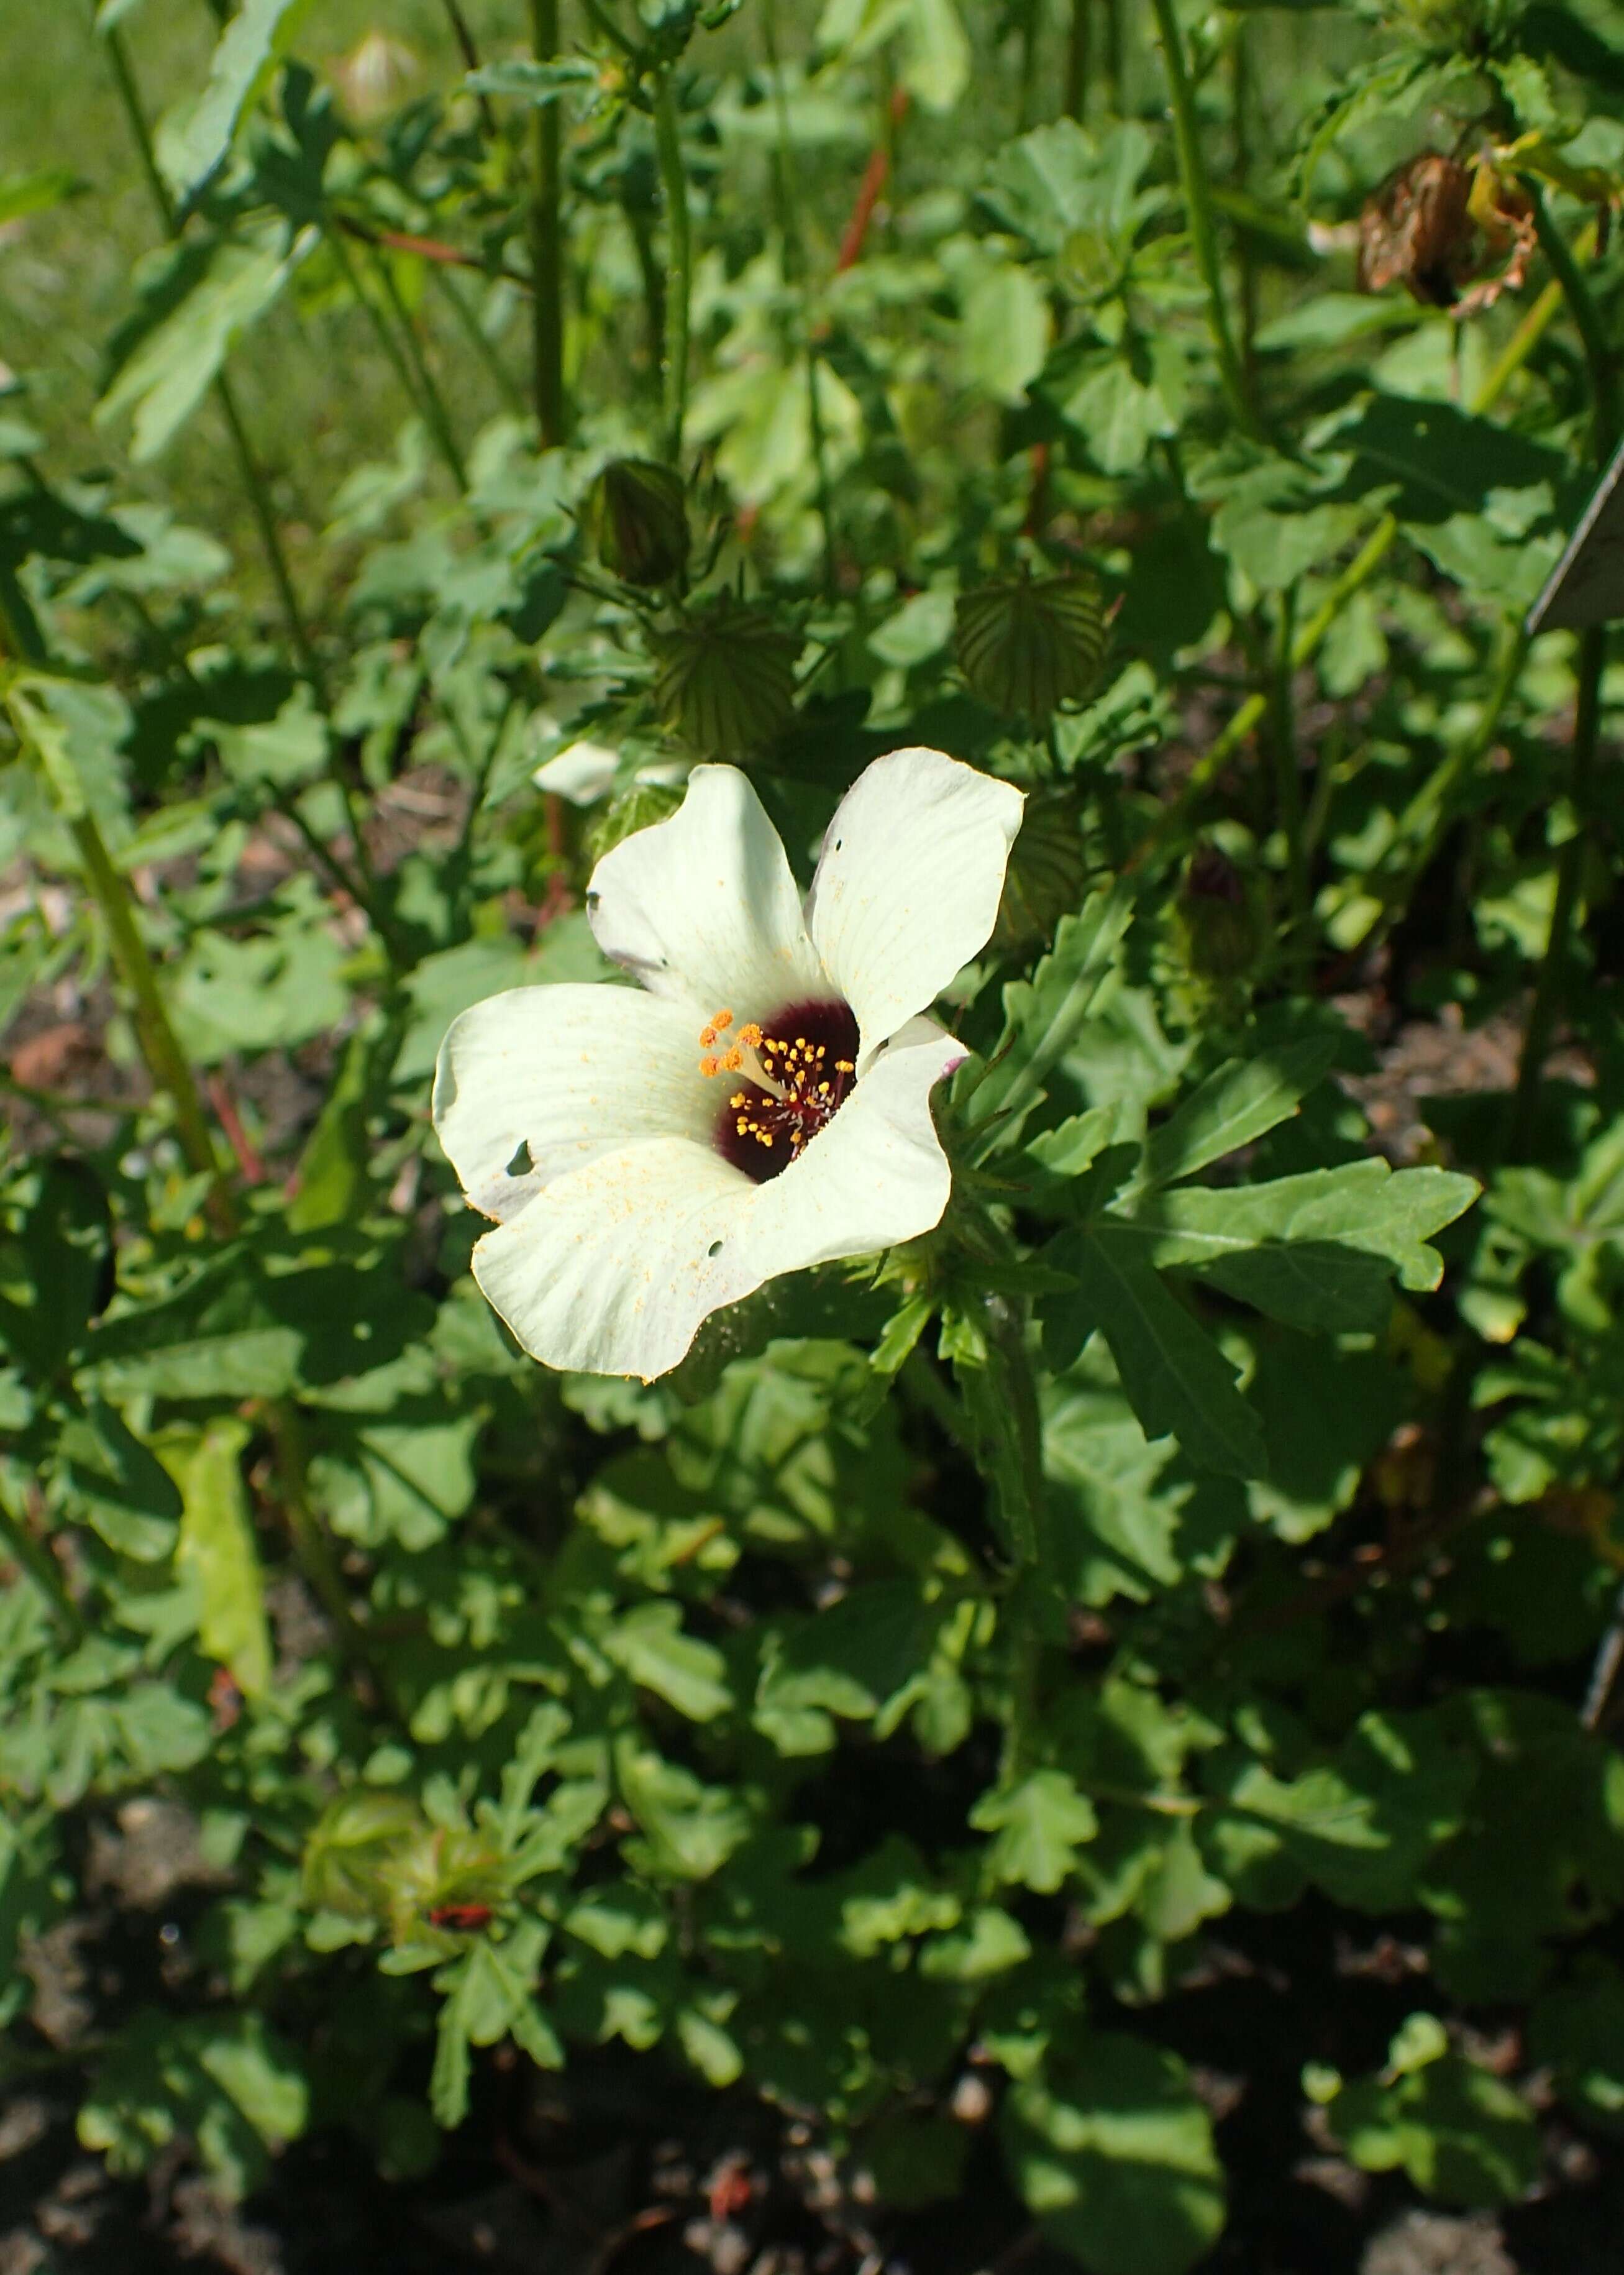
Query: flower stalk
{"type": "Point", "coordinates": [547, 244]}
{"type": "Point", "coordinates": [679, 262]}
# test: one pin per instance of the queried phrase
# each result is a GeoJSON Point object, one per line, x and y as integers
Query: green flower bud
{"type": "Point", "coordinates": [638, 521]}
{"type": "Point", "coordinates": [726, 680]}
{"type": "Point", "coordinates": [1045, 876]}
{"type": "Point", "coordinates": [1217, 918]}
{"type": "Point", "coordinates": [1028, 645]}
{"type": "Point", "coordinates": [639, 806]}
{"type": "Point", "coordinates": [1477, 26]}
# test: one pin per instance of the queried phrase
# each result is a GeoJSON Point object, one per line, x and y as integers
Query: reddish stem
{"type": "Point", "coordinates": [249, 1157]}
{"type": "Point", "coordinates": [875, 175]}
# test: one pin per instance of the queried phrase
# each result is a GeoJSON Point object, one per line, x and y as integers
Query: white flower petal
{"type": "Point", "coordinates": [571, 1072]}
{"type": "Point", "coordinates": [909, 882]}
{"type": "Point", "coordinates": [703, 908]}
{"type": "Point", "coordinates": [581, 772]}
{"type": "Point", "coordinates": [611, 1269]}
{"type": "Point", "coordinates": [876, 1176]}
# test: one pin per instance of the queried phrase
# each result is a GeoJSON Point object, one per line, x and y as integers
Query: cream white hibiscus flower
{"type": "Point", "coordinates": [761, 1102]}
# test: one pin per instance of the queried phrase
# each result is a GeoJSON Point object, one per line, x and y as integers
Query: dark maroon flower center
{"type": "Point", "coordinates": [785, 1079]}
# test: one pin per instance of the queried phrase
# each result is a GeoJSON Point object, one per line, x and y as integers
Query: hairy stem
{"type": "Point", "coordinates": [679, 263]}
{"type": "Point", "coordinates": [1198, 206]}
{"type": "Point", "coordinates": [1079, 56]}
{"type": "Point", "coordinates": [429, 393]}
{"type": "Point", "coordinates": [1288, 793]}
{"type": "Point", "coordinates": [479, 340]}
{"type": "Point", "coordinates": [546, 243]}
{"type": "Point", "coordinates": [166, 1061]}
{"type": "Point", "coordinates": [1569, 872]}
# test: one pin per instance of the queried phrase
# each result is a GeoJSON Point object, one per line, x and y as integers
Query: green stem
{"type": "Point", "coordinates": [1114, 54]}
{"type": "Point", "coordinates": [652, 276]}
{"type": "Point", "coordinates": [388, 342]}
{"type": "Point", "coordinates": [1029, 66]}
{"type": "Point", "coordinates": [1422, 818]}
{"type": "Point", "coordinates": [1241, 100]}
{"type": "Point", "coordinates": [1079, 56]}
{"type": "Point", "coordinates": [1532, 329]}
{"type": "Point", "coordinates": [129, 96]}
{"type": "Point", "coordinates": [546, 243]}
{"type": "Point", "coordinates": [325, 858]}
{"type": "Point", "coordinates": [166, 1061]}
{"type": "Point", "coordinates": [469, 55]}
{"type": "Point", "coordinates": [483, 346]}
{"type": "Point", "coordinates": [313, 1552]}
{"type": "Point", "coordinates": [797, 265]}
{"type": "Point", "coordinates": [1600, 360]}
{"type": "Point", "coordinates": [427, 392]}
{"type": "Point", "coordinates": [1019, 1480]}
{"type": "Point", "coordinates": [679, 263]}
{"type": "Point", "coordinates": [265, 521]}
{"type": "Point", "coordinates": [1289, 792]}
{"type": "Point", "coordinates": [1570, 873]}
{"type": "Point", "coordinates": [1198, 205]}
{"type": "Point", "coordinates": [254, 480]}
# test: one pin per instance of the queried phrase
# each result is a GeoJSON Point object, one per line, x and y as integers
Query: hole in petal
{"type": "Point", "coordinates": [520, 1165]}
{"type": "Point", "coordinates": [714, 1248]}
{"type": "Point", "coordinates": [785, 1079]}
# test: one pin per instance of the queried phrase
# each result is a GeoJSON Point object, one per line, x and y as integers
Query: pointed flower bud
{"type": "Point", "coordinates": [726, 678]}
{"type": "Point", "coordinates": [638, 521]}
{"type": "Point", "coordinates": [1216, 917]}
{"type": "Point", "coordinates": [1027, 645]}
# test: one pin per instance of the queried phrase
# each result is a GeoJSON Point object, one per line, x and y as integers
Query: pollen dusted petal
{"type": "Point", "coordinates": [611, 1269]}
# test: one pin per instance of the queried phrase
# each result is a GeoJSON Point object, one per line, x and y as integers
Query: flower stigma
{"type": "Point", "coordinates": [792, 1075]}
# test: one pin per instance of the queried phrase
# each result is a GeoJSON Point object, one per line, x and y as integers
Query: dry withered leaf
{"type": "Point", "coordinates": [1436, 225]}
